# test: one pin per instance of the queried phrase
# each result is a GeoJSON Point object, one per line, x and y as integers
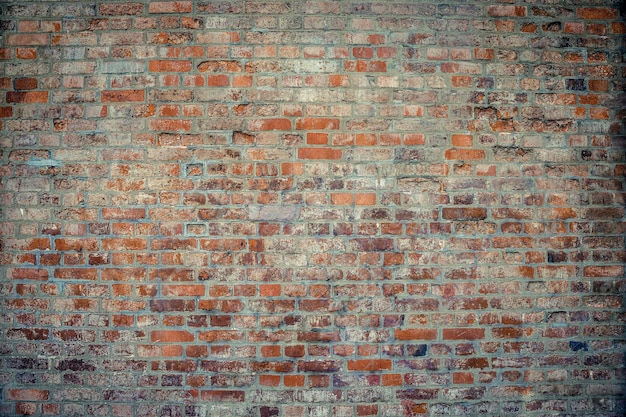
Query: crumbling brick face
{"type": "Point", "coordinates": [312, 208]}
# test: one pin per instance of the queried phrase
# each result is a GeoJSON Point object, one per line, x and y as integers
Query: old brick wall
{"type": "Point", "coordinates": [312, 208]}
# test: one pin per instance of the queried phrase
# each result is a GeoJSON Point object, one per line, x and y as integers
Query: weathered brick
{"type": "Point", "coordinates": [27, 97]}
{"type": "Point", "coordinates": [120, 9]}
{"type": "Point", "coordinates": [311, 208]}
{"type": "Point", "coordinates": [319, 153]}
{"type": "Point", "coordinates": [170, 7]}
{"type": "Point", "coordinates": [597, 13]}
{"type": "Point", "coordinates": [122, 95]}
{"type": "Point", "coordinates": [169, 65]}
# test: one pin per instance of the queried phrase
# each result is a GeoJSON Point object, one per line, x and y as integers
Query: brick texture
{"type": "Point", "coordinates": [298, 208]}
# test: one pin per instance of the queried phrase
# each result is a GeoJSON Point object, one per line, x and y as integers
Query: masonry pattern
{"type": "Point", "coordinates": [312, 208]}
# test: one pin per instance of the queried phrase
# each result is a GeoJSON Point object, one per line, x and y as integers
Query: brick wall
{"type": "Point", "coordinates": [312, 208]}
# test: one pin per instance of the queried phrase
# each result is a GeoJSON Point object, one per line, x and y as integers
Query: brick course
{"type": "Point", "coordinates": [312, 208]}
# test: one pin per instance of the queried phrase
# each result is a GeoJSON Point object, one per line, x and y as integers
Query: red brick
{"type": "Point", "coordinates": [124, 244]}
{"type": "Point", "coordinates": [484, 53]}
{"type": "Point", "coordinates": [507, 332]}
{"type": "Point", "coordinates": [363, 52]}
{"type": "Point", "coordinates": [463, 334]}
{"type": "Point", "coordinates": [294, 380]}
{"type": "Point", "coordinates": [415, 334]}
{"type": "Point", "coordinates": [6, 54]}
{"type": "Point", "coordinates": [618, 27]}
{"type": "Point", "coordinates": [25, 83]}
{"type": "Point", "coordinates": [269, 380]}
{"type": "Point", "coordinates": [169, 65]}
{"type": "Point", "coordinates": [88, 274]}
{"type": "Point", "coordinates": [313, 138]}
{"type": "Point", "coordinates": [171, 336]}
{"type": "Point", "coordinates": [118, 96]}
{"type": "Point", "coordinates": [183, 290]}
{"type": "Point", "coordinates": [27, 97]}
{"type": "Point", "coordinates": [342, 208]}
{"type": "Point", "coordinates": [366, 139]}
{"type": "Point", "coordinates": [29, 274]}
{"type": "Point", "coordinates": [317, 124]}
{"type": "Point", "coordinates": [270, 290]}
{"type": "Point", "coordinates": [365, 66]}
{"type": "Point", "coordinates": [338, 80]}
{"type": "Point", "coordinates": [26, 53]}
{"type": "Point", "coordinates": [597, 13]}
{"type": "Point", "coordinates": [450, 213]}
{"type": "Point", "coordinates": [462, 140]}
{"type": "Point", "coordinates": [465, 154]}
{"type": "Point", "coordinates": [169, 7]}
{"type": "Point", "coordinates": [123, 214]}
{"type": "Point", "coordinates": [597, 271]}
{"type": "Point", "coordinates": [319, 153]}
{"type": "Point", "coordinates": [369, 365]}
{"type": "Point", "coordinates": [221, 80]}
{"type": "Point", "coordinates": [506, 11]}
{"type": "Point", "coordinates": [463, 378]}
{"type": "Point", "coordinates": [28, 394]}
{"type": "Point", "coordinates": [365, 199]}
{"type": "Point", "coordinates": [599, 85]}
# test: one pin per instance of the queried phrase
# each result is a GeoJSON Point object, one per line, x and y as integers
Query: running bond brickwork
{"type": "Point", "coordinates": [312, 208]}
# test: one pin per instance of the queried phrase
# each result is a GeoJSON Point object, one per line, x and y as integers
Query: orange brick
{"type": "Point", "coordinates": [392, 380]}
{"type": "Point", "coordinates": [292, 168]}
{"type": "Point", "coordinates": [171, 336]}
{"type": "Point", "coordinates": [341, 198]}
{"type": "Point", "coordinates": [294, 380]}
{"type": "Point", "coordinates": [314, 138]}
{"type": "Point", "coordinates": [365, 199]}
{"type": "Point", "coordinates": [415, 334]}
{"type": "Point", "coordinates": [169, 66]}
{"type": "Point", "coordinates": [414, 139]}
{"type": "Point", "coordinates": [218, 80]}
{"type": "Point", "coordinates": [319, 153]}
{"type": "Point", "coordinates": [317, 124]}
{"type": "Point", "coordinates": [26, 53]}
{"type": "Point", "coordinates": [369, 365]}
{"type": "Point", "coordinates": [465, 154]}
{"type": "Point", "coordinates": [366, 139]}
{"type": "Point", "coordinates": [462, 140]}
{"type": "Point", "coordinates": [270, 290]}
{"type": "Point", "coordinates": [463, 334]}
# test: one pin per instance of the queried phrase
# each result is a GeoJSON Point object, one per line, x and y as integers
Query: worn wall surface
{"type": "Point", "coordinates": [312, 208]}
